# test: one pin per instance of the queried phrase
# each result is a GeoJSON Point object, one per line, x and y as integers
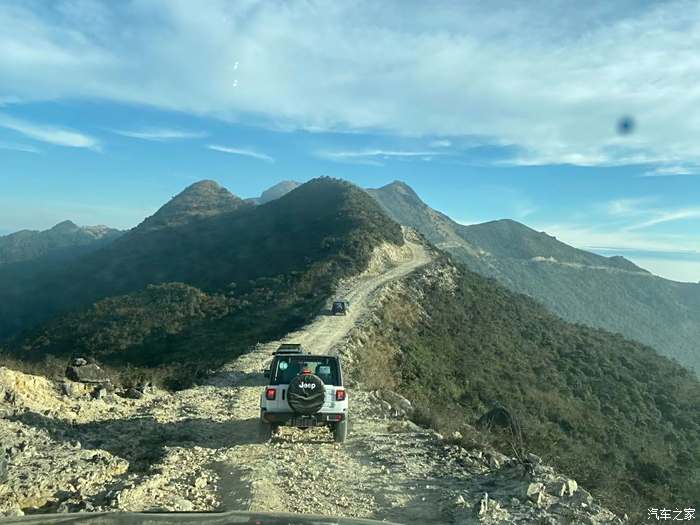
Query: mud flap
{"type": "Point", "coordinates": [340, 431]}
{"type": "Point", "coordinates": [264, 431]}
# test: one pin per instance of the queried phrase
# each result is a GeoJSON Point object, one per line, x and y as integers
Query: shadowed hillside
{"type": "Point", "coordinates": [62, 242]}
{"type": "Point", "coordinates": [248, 275]}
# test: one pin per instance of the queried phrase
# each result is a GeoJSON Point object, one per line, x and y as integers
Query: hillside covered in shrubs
{"type": "Point", "coordinates": [611, 412]}
{"type": "Point", "coordinates": [202, 290]}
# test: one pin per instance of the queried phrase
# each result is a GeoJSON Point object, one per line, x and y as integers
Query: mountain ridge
{"type": "Point", "coordinates": [519, 241]}
{"type": "Point", "coordinates": [57, 242]}
{"type": "Point", "coordinates": [232, 262]}
{"type": "Point", "coordinates": [275, 191]}
{"type": "Point", "coordinates": [598, 406]}
{"type": "Point", "coordinates": [605, 292]}
{"type": "Point", "coordinates": [202, 199]}
{"type": "Point", "coordinates": [167, 444]}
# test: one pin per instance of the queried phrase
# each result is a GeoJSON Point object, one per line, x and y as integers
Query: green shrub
{"type": "Point", "coordinates": [610, 412]}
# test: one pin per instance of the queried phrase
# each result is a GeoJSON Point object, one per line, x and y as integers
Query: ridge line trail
{"type": "Point", "coordinates": [326, 331]}
{"type": "Point", "coordinates": [376, 473]}
{"type": "Point", "coordinates": [278, 474]}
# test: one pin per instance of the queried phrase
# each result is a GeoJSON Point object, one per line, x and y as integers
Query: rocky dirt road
{"type": "Point", "coordinates": [198, 449]}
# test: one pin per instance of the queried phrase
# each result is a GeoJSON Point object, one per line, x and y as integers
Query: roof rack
{"type": "Point", "coordinates": [289, 348]}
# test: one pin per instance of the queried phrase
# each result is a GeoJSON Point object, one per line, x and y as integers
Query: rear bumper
{"type": "Point", "coordinates": [298, 420]}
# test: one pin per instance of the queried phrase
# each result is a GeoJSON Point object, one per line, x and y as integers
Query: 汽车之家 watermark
{"type": "Point", "coordinates": [672, 514]}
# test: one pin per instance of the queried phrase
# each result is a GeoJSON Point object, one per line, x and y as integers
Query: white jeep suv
{"type": "Point", "coordinates": [304, 391]}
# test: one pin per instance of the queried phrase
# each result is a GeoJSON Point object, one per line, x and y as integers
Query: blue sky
{"type": "Point", "coordinates": [108, 109]}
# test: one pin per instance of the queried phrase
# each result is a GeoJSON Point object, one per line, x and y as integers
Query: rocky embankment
{"type": "Point", "coordinates": [80, 446]}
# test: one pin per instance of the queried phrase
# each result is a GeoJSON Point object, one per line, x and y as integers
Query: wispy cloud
{"type": "Point", "coordinates": [440, 144]}
{"type": "Point", "coordinates": [18, 147]}
{"type": "Point", "coordinates": [671, 256]}
{"type": "Point", "coordinates": [644, 212]}
{"type": "Point", "coordinates": [555, 85]}
{"type": "Point", "coordinates": [6, 101]}
{"type": "Point", "coordinates": [243, 152]}
{"type": "Point", "coordinates": [670, 171]}
{"type": "Point", "coordinates": [373, 157]}
{"type": "Point", "coordinates": [160, 134]}
{"type": "Point", "coordinates": [49, 134]}
{"type": "Point", "coordinates": [546, 87]}
{"type": "Point", "coordinates": [629, 206]}
{"type": "Point", "coordinates": [601, 238]}
{"type": "Point", "coordinates": [607, 153]}
{"type": "Point", "coordinates": [663, 216]}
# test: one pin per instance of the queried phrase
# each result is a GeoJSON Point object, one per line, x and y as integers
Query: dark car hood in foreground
{"type": "Point", "coordinates": [184, 518]}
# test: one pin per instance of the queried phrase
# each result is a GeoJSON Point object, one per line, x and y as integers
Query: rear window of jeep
{"type": "Point", "coordinates": [285, 368]}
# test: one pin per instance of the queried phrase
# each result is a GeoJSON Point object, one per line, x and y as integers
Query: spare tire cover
{"type": "Point", "coordinates": [306, 394]}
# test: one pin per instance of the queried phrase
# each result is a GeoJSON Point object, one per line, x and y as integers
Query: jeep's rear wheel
{"type": "Point", "coordinates": [340, 431]}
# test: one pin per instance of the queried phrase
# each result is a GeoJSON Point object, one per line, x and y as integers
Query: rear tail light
{"type": "Point", "coordinates": [340, 395]}
{"type": "Point", "coordinates": [271, 393]}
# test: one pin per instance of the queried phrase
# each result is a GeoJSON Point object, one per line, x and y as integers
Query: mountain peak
{"type": "Point", "coordinates": [205, 185]}
{"type": "Point", "coordinates": [625, 264]}
{"type": "Point", "coordinates": [397, 183]}
{"type": "Point", "coordinates": [278, 190]}
{"type": "Point", "coordinates": [509, 223]}
{"type": "Point", "coordinates": [65, 226]}
{"type": "Point", "coordinates": [509, 238]}
{"type": "Point", "coordinates": [399, 186]}
{"type": "Point", "coordinates": [60, 243]}
{"type": "Point", "coordinates": [201, 199]}
{"type": "Point", "coordinates": [398, 190]}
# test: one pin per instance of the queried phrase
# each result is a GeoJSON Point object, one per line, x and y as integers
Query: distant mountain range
{"type": "Point", "coordinates": [604, 292]}
{"type": "Point", "coordinates": [63, 240]}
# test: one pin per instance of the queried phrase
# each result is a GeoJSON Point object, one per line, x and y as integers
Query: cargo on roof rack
{"type": "Point", "coordinates": [289, 348]}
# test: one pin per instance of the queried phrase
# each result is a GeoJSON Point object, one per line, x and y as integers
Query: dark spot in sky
{"type": "Point", "coordinates": [625, 125]}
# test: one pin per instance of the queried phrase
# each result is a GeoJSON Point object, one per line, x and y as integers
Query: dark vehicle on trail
{"type": "Point", "coordinates": [340, 307]}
